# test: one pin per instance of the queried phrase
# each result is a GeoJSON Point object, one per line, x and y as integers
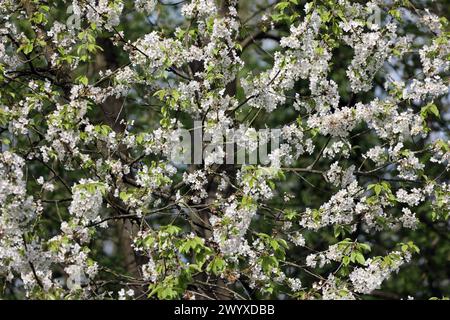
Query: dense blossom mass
{"type": "Point", "coordinates": [94, 95]}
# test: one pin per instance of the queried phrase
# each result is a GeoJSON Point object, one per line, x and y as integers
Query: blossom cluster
{"type": "Point", "coordinates": [91, 110]}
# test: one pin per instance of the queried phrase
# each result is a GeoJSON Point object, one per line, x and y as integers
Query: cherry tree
{"type": "Point", "coordinates": [314, 143]}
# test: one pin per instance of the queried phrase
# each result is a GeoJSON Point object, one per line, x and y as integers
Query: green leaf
{"type": "Point", "coordinates": [216, 266]}
{"type": "Point", "coordinates": [430, 108]}
{"type": "Point", "coordinates": [377, 189]}
{"type": "Point", "coordinates": [360, 258]}
{"type": "Point", "coordinates": [160, 94]}
{"type": "Point", "coordinates": [434, 110]}
{"type": "Point", "coordinates": [171, 229]}
{"type": "Point", "coordinates": [27, 48]}
{"type": "Point", "coordinates": [346, 260]}
{"type": "Point", "coordinates": [83, 80]}
{"type": "Point", "coordinates": [268, 263]}
{"type": "Point", "coordinates": [282, 5]}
